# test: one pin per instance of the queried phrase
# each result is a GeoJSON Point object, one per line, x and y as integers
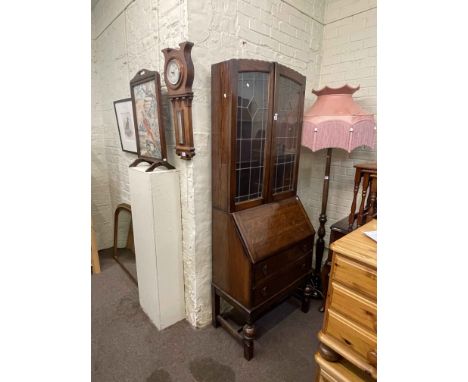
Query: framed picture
{"type": "Point", "coordinates": [149, 125]}
{"type": "Point", "coordinates": [124, 115]}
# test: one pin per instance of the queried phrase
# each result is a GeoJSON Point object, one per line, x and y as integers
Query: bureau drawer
{"type": "Point", "coordinates": [355, 275]}
{"type": "Point", "coordinates": [354, 305]}
{"type": "Point", "coordinates": [277, 262]}
{"type": "Point", "coordinates": [280, 280]}
{"type": "Point", "coordinates": [353, 336]}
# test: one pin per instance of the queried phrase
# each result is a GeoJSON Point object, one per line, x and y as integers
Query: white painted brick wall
{"type": "Point", "coordinates": [100, 201]}
{"type": "Point", "coordinates": [127, 37]}
{"type": "Point", "coordinates": [348, 56]}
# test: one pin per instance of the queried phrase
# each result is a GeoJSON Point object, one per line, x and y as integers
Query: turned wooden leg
{"type": "Point", "coordinates": [215, 307]}
{"type": "Point", "coordinates": [306, 298]}
{"type": "Point", "coordinates": [249, 336]}
{"type": "Point", "coordinates": [352, 215]}
{"type": "Point", "coordinates": [372, 199]}
{"type": "Point", "coordinates": [328, 353]}
{"type": "Point", "coordinates": [365, 186]}
{"type": "Point", "coordinates": [320, 245]}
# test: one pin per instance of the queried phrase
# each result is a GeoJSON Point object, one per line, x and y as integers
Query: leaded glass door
{"type": "Point", "coordinates": [286, 132]}
{"type": "Point", "coordinates": [253, 130]}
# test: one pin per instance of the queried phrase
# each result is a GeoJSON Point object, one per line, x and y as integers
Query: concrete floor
{"type": "Point", "coordinates": [127, 347]}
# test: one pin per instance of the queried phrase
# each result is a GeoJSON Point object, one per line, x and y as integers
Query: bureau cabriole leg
{"type": "Point", "coordinates": [215, 306]}
{"type": "Point", "coordinates": [249, 336]}
{"type": "Point", "coordinates": [308, 290]}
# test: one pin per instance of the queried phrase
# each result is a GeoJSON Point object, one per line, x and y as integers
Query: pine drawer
{"type": "Point", "coordinates": [356, 276]}
{"type": "Point", "coordinates": [355, 306]}
{"type": "Point", "coordinates": [355, 337]}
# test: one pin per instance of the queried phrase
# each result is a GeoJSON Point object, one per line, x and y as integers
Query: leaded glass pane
{"type": "Point", "coordinates": [287, 127]}
{"type": "Point", "coordinates": [252, 109]}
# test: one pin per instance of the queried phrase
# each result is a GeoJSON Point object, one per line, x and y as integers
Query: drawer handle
{"type": "Point", "coordinates": [264, 291]}
{"type": "Point", "coordinates": [303, 266]}
{"type": "Point", "coordinates": [265, 269]}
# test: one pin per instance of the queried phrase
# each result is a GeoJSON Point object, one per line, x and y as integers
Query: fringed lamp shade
{"type": "Point", "coordinates": [336, 121]}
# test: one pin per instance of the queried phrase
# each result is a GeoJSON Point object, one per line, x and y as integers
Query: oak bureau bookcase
{"type": "Point", "coordinates": [262, 237]}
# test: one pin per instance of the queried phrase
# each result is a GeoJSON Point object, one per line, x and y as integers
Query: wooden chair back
{"type": "Point", "coordinates": [366, 175]}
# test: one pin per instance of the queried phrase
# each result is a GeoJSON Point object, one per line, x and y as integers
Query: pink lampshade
{"type": "Point", "coordinates": [336, 121]}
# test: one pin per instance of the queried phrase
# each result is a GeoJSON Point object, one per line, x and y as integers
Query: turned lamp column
{"type": "Point", "coordinates": [320, 245]}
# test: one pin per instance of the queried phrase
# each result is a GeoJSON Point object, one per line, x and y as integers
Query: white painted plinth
{"type": "Point", "coordinates": [155, 200]}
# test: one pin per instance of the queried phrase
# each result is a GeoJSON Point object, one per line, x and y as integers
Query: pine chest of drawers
{"type": "Point", "coordinates": [349, 334]}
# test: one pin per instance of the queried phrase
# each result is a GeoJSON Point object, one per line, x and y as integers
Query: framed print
{"type": "Point", "coordinates": [149, 125]}
{"type": "Point", "coordinates": [124, 115]}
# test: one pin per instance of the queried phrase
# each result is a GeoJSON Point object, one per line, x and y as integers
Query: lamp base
{"type": "Point", "coordinates": [317, 290]}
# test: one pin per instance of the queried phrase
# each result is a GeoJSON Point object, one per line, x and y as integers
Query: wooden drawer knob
{"type": "Point", "coordinates": [264, 291]}
{"type": "Point", "coordinates": [265, 269]}
{"type": "Point", "coordinates": [328, 353]}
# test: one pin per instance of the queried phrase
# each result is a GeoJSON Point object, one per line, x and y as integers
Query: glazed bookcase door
{"type": "Point", "coordinates": [286, 132]}
{"type": "Point", "coordinates": [253, 106]}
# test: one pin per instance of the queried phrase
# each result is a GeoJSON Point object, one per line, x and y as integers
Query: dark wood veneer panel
{"type": "Point", "coordinates": [220, 138]}
{"type": "Point", "coordinates": [231, 266]}
{"type": "Point", "coordinates": [273, 227]}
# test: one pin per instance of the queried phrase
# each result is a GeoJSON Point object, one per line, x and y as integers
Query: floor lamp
{"type": "Point", "coordinates": [334, 121]}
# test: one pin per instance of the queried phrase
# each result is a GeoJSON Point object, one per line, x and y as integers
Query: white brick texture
{"type": "Point", "coordinates": [348, 57]}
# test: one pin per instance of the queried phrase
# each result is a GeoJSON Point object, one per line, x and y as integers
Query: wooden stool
{"type": "Point", "coordinates": [96, 267]}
